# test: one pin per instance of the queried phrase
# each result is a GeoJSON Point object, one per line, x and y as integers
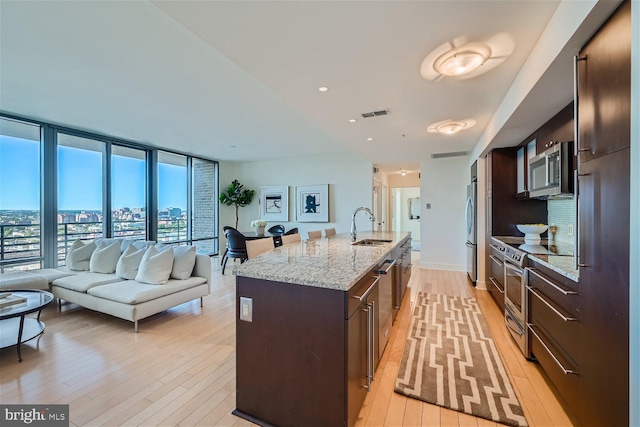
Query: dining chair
{"type": "Point", "coordinates": [290, 238]}
{"type": "Point", "coordinates": [236, 247]}
{"type": "Point", "coordinates": [259, 246]}
{"type": "Point", "coordinates": [292, 231]}
{"type": "Point", "coordinates": [224, 256]}
{"type": "Point", "coordinates": [276, 229]}
{"type": "Point", "coordinates": [329, 232]}
{"type": "Point", "coordinates": [315, 234]}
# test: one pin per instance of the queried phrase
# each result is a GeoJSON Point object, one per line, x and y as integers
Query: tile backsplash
{"type": "Point", "coordinates": [562, 214]}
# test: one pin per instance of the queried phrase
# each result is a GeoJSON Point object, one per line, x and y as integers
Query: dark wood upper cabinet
{"type": "Point", "coordinates": [604, 88]}
{"type": "Point", "coordinates": [558, 129]}
{"type": "Point", "coordinates": [504, 208]}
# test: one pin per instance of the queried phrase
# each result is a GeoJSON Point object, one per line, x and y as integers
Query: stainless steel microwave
{"type": "Point", "coordinates": [551, 172]}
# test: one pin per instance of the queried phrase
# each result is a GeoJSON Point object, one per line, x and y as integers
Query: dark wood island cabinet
{"type": "Point", "coordinates": [308, 353]}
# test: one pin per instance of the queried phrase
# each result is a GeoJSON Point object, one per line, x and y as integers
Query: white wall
{"type": "Point", "coordinates": [400, 211]}
{"type": "Point", "coordinates": [350, 186]}
{"type": "Point", "coordinates": [443, 183]}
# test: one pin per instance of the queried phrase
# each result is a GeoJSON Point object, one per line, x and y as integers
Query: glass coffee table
{"type": "Point", "coordinates": [15, 327]}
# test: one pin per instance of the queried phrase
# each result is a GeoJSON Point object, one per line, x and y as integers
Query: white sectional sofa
{"type": "Point", "coordinates": [113, 293]}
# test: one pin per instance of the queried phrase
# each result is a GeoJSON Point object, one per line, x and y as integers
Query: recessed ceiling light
{"type": "Point", "coordinates": [352, 120]}
{"type": "Point", "coordinates": [323, 88]}
{"type": "Point", "coordinates": [449, 127]}
{"type": "Point", "coordinates": [369, 139]}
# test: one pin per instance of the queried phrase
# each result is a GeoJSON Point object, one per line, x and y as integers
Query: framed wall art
{"type": "Point", "coordinates": [312, 203]}
{"type": "Point", "coordinates": [274, 203]}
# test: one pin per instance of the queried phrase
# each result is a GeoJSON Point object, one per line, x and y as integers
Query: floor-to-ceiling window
{"type": "Point", "coordinates": [128, 192]}
{"type": "Point", "coordinates": [58, 185]}
{"type": "Point", "coordinates": [172, 197]}
{"type": "Point", "coordinates": [20, 195]}
{"type": "Point", "coordinates": [80, 183]}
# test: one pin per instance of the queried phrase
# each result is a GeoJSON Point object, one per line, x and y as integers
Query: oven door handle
{"type": "Point", "coordinates": [508, 265]}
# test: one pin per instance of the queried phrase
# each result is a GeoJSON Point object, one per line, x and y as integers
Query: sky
{"type": "Point", "coordinates": [80, 179]}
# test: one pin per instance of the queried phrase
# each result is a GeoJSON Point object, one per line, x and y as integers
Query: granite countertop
{"type": "Point", "coordinates": [332, 263]}
{"type": "Point", "coordinates": [561, 264]}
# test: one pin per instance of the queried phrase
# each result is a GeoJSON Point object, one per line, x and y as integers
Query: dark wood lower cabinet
{"type": "Point", "coordinates": [496, 277]}
{"type": "Point", "coordinates": [291, 358]}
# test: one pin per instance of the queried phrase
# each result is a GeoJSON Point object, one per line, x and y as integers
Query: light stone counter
{"type": "Point", "coordinates": [332, 263]}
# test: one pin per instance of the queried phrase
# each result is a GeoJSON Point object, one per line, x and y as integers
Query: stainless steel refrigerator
{"type": "Point", "coordinates": [470, 221]}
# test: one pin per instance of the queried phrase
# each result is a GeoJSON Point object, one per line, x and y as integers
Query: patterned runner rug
{"type": "Point", "coordinates": [451, 360]}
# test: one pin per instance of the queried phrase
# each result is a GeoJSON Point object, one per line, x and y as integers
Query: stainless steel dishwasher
{"type": "Point", "coordinates": [385, 303]}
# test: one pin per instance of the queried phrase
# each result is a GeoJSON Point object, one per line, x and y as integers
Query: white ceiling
{"type": "Point", "coordinates": [238, 80]}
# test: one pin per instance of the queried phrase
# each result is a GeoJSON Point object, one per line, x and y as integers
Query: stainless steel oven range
{"type": "Point", "coordinates": [515, 311]}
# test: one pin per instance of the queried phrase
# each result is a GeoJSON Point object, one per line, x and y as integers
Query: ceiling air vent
{"type": "Point", "coordinates": [453, 154]}
{"type": "Point", "coordinates": [375, 113]}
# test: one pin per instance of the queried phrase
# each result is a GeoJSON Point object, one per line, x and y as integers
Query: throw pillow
{"type": "Point", "coordinates": [79, 254]}
{"type": "Point", "coordinates": [105, 258]}
{"type": "Point", "coordinates": [155, 267]}
{"type": "Point", "coordinates": [184, 259]}
{"type": "Point", "coordinates": [129, 262]}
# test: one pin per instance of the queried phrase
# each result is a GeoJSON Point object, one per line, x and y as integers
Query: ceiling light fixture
{"type": "Point", "coordinates": [369, 139]}
{"type": "Point", "coordinates": [403, 173]}
{"type": "Point", "coordinates": [323, 88]}
{"type": "Point", "coordinates": [462, 60]}
{"type": "Point", "coordinates": [449, 127]}
{"type": "Point", "coordinates": [352, 120]}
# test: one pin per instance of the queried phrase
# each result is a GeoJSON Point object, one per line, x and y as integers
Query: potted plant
{"type": "Point", "coordinates": [235, 194]}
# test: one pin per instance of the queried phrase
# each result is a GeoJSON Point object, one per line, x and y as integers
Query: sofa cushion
{"type": "Point", "coordinates": [79, 254]}
{"type": "Point", "coordinates": [184, 258]}
{"type": "Point", "coordinates": [105, 257]}
{"type": "Point", "coordinates": [155, 267]}
{"type": "Point", "coordinates": [131, 292]}
{"type": "Point", "coordinates": [82, 282]}
{"type": "Point", "coordinates": [51, 274]}
{"type": "Point", "coordinates": [129, 262]}
{"type": "Point", "coordinates": [20, 280]}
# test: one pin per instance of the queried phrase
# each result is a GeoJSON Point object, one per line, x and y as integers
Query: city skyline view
{"type": "Point", "coordinates": [80, 179]}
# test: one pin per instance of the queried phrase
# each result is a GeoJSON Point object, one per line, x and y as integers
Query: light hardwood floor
{"type": "Point", "coordinates": [180, 368]}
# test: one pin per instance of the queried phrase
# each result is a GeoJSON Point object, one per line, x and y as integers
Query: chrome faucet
{"type": "Point", "coordinates": [372, 218]}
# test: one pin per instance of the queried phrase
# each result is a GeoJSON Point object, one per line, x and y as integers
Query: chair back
{"type": "Point", "coordinates": [329, 232]}
{"type": "Point", "coordinates": [292, 231]}
{"type": "Point", "coordinates": [276, 229]}
{"type": "Point", "coordinates": [236, 241]}
{"type": "Point", "coordinates": [315, 234]}
{"type": "Point", "coordinates": [290, 238]}
{"type": "Point", "coordinates": [259, 246]}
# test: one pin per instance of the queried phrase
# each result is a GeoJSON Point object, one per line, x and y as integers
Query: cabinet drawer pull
{"type": "Point", "coordinates": [366, 293]}
{"type": "Point", "coordinates": [558, 288]}
{"type": "Point", "coordinates": [553, 356]}
{"type": "Point", "coordinates": [556, 311]}
{"type": "Point", "coordinates": [496, 285]}
{"type": "Point", "coordinates": [391, 265]}
{"type": "Point", "coordinates": [496, 260]}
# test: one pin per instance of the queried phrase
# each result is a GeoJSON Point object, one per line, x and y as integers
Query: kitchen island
{"type": "Point", "coordinates": [307, 347]}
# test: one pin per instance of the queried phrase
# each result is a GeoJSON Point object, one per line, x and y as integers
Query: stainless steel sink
{"type": "Point", "coordinates": [371, 242]}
